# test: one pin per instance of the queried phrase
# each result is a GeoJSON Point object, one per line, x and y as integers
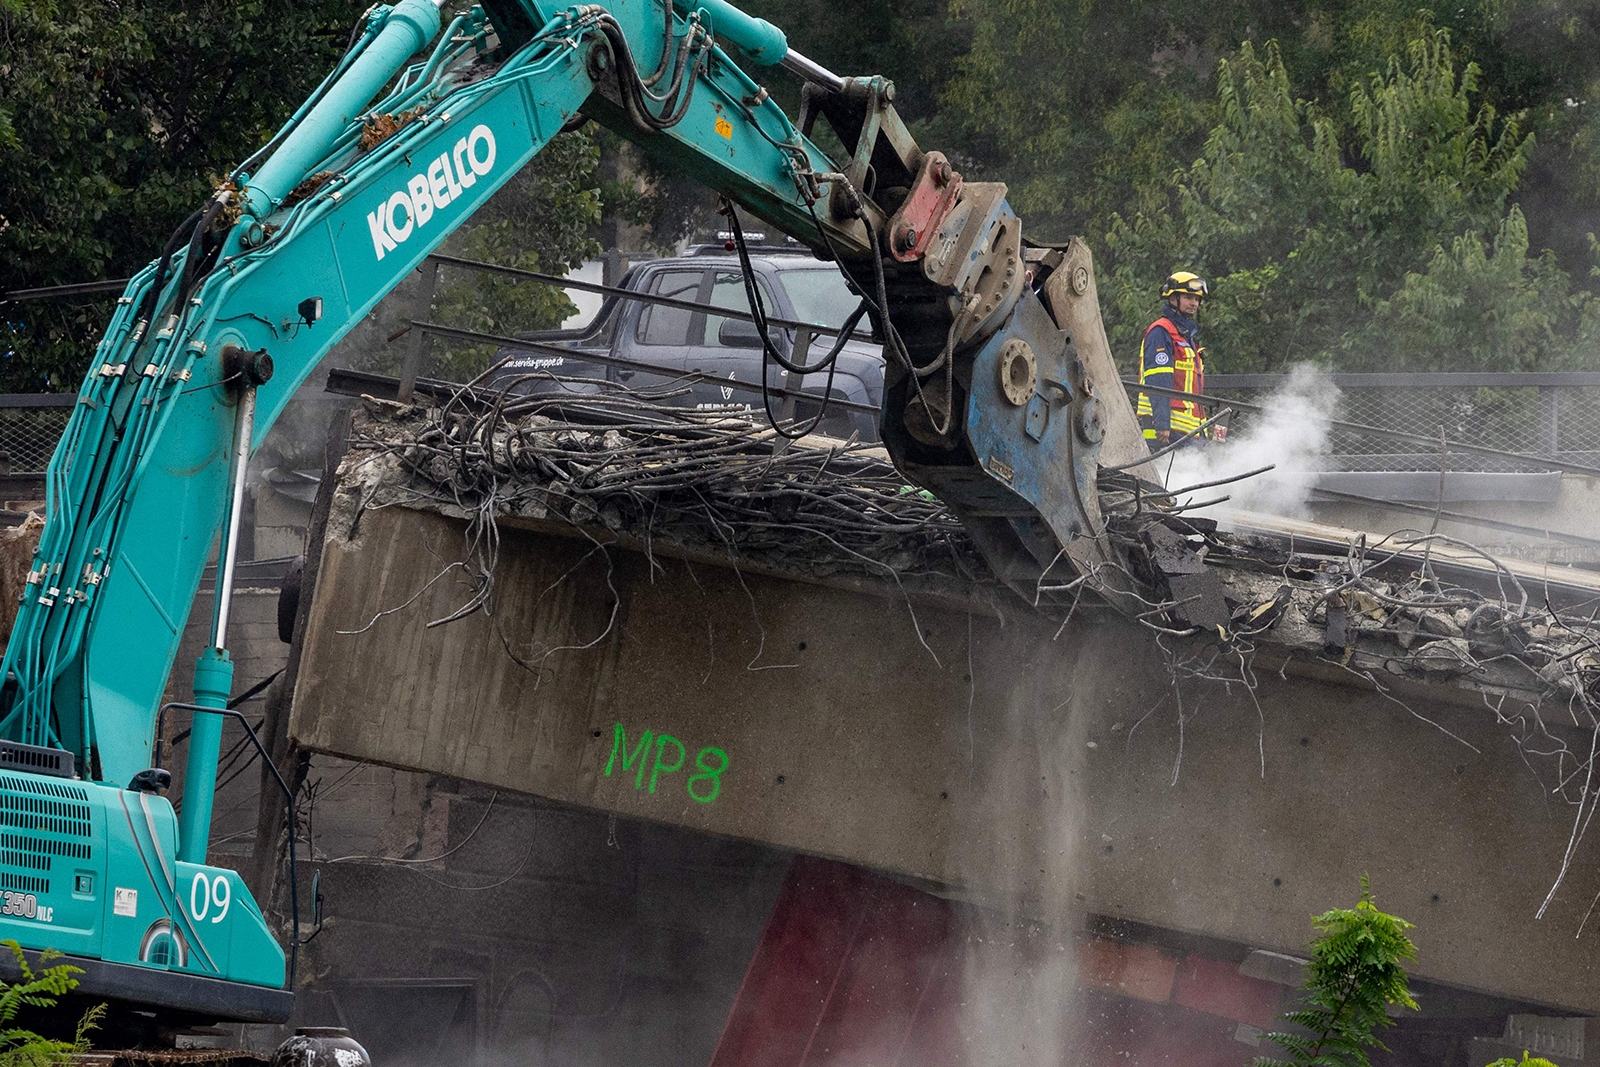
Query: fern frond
{"type": "Point", "coordinates": [1535, 1061]}
{"type": "Point", "coordinates": [1354, 974]}
{"type": "Point", "coordinates": [40, 989]}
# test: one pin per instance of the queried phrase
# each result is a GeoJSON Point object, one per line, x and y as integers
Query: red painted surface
{"type": "Point", "coordinates": [925, 207]}
{"type": "Point", "coordinates": [1128, 969]}
{"type": "Point", "coordinates": [851, 968]}
{"type": "Point", "coordinates": [856, 969]}
{"type": "Point", "coordinates": [1218, 988]}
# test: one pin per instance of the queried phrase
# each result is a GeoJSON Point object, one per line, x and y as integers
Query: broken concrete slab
{"type": "Point", "coordinates": [998, 754]}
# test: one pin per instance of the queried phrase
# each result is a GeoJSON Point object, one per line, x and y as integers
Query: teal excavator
{"type": "Point", "coordinates": [986, 404]}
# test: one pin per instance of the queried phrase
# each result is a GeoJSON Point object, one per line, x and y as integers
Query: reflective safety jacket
{"type": "Point", "coordinates": [1169, 359]}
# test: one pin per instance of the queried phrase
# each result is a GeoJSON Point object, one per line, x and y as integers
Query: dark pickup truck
{"type": "Point", "coordinates": [671, 345]}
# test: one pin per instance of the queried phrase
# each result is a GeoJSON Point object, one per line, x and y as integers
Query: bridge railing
{"type": "Point", "coordinates": [1554, 416]}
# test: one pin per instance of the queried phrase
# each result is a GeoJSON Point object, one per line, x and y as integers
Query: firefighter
{"type": "Point", "coordinates": [1171, 358]}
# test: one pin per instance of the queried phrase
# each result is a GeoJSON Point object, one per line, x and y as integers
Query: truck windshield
{"type": "Point", "coordinates": [820, 295]}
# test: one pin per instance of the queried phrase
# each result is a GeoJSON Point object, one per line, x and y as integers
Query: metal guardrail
{"type": "Point", "coordinates": [1423, 380]}
{"type": "Point", "coordinates": [1547, 414]}
{"type": "Point", "coordinates": [1257, 417]}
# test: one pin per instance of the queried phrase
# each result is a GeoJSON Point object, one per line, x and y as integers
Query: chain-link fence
{"type": "Point", "coordinates": [1549, 416]}
{"type": "Point", "coordinates": [30, 426]}
{"type": "Point", "coordinates": [1554, 416]}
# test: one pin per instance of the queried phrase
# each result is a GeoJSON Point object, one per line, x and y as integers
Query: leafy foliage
{"type": "Point", "coordinates": [40, 989]}
{"type": "Point", "coordinates": [1129, 90]}
{"type": "Point", "coordinates": [1381, 239]}
{"type": "Point", "coordinates": [116, 119]}
{"type": "Point", "coordinates": [1355, 973]}
{"type": "Point", "coordinates": [1100, 127]}
{"type": "Point", "coordinates": [1526, 1061]}
{"type": "Point", "coordinates": [541, 220]}
{"type": "Point", "coordinates": [1386, 184]}
{"type": "Point", "coordinates": [120, 115]}
{"type": "Point", "coordinates": [1377, 184]}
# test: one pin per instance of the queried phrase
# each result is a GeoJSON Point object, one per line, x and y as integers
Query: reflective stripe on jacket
{"type": "Point", "coordinates": [1185, 374]}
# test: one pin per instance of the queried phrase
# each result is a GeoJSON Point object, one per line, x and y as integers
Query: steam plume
{"type": "Point", "coordinates": [1292, 433]}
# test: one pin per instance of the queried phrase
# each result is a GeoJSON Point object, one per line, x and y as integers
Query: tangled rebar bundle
{"type": "Point", "coordinates": [647, 472]}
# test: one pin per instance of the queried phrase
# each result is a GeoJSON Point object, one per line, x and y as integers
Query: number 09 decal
{"type": "Point", "coordinates": [206, 894]}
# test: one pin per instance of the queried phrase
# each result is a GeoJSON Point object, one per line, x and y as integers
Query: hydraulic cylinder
{"type": "Point", "coordinates": [758, 39]}
{"type": "Point", "coordinates": [407, 28]}
{"type": "Point", "coordinates": [213, 682]}
{"type": "Point", "coordinates": [213, 671]}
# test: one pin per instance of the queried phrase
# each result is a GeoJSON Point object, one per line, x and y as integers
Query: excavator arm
{"type": "Point", "coordinates": [986, 404]}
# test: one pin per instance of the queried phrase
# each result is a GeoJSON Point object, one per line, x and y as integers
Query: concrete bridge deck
{"type": "Point", "coordinates": [1047, 772]}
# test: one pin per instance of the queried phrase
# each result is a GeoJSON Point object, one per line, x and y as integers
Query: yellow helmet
{"type": "Point", "coordinates": [1182, 282]}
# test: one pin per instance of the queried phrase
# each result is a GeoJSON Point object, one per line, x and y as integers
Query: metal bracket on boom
{"type": "Point", "coordinates": [934, 192]}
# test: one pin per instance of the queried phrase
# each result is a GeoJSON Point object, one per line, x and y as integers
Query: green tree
{"type": "Point", "coordinates": [1100, 137]}
{"type": "Point", "coordinates": [1354, 975]}
{"type": "Point", "coordinates": [1087, 108]}
{"type": "Point", "coordinates": [115, 118]}
{"type": "Point", "coordinates": [21, 1047]}
{"type": "Point", "coordinates": [118, 118]}
{"type": "Point", "coordinates": [1100, 125]}
{"type": "Point", "coordinates": [1483, 303]}
{"type": "Point", "coordinates": [541, 220]}
{"type": "Point", "coordinates": [914, 43]}
{"type": "Point", "coordinates": [1394, 246]}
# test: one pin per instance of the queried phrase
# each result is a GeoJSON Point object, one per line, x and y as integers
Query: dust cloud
{"type": "Point", "coordinates": [1028, 991]}
{"type": "Point", "coordinates": [1020, 1002]}
{"type": "Point", "coordinates": [1292, 432]}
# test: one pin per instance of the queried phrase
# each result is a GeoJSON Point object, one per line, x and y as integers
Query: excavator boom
{"type": "Point", "coordinates": [986, 404]}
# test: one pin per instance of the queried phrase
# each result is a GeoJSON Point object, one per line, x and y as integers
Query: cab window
{"type": "Point", "coordinates": [820, 295]}
{"type": "Point", "coordinates": [727, 291]}
{"type": "Point", "coordinates": [660, 325]}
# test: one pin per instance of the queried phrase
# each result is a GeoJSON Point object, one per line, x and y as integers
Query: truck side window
{"type": "Point", "coordinates": [669, 325]}
{"type": "Point", "coordinates": [727, 291]}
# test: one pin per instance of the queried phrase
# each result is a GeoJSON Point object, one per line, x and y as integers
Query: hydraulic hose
{"type": "Point", "coordinates": [152, 296]}
{"type": "Point", "coordinates": [666, 46]}
{"type": "Point", "coordinates": [628, 83]}
{"type": "Point", "coordinates": [891, 337]}
{"type": "Point", "coordinates": [679, 66]}
{"type": "Point", "coordinates": [769, 351]}
{"type": "Point", "coordinates": [191, 262]}
{"type": "Point", "coordinates": [758, 311]}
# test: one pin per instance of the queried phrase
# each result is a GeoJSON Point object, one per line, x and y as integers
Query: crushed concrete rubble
{"type": "Point", "coordinates": [623, 470]}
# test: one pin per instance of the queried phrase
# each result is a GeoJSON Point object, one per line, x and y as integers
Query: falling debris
{"type": "Point", "coordinates": [376, 129]}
